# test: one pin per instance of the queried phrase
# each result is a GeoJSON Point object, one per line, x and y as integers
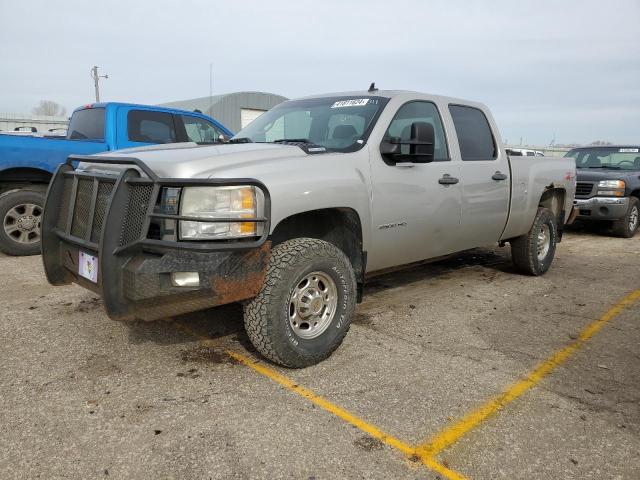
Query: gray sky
{"type": "Point", "coordinates": [569, 68]}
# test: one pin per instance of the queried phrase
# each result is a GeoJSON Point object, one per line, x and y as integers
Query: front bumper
{"type": "Point", "coordinates": [108, 217]}
{"type": "Point", "coordinates": [601, 208]}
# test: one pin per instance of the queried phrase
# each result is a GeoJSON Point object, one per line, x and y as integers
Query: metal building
{"type": "Point", "coordinates": [233, 110]}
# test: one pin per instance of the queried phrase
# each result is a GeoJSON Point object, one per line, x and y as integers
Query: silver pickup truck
{"type": "Point", "coordinates": [293, 214]}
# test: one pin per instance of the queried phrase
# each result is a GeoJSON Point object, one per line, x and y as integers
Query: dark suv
{"type": "Point", "coordinates": [608, 186]}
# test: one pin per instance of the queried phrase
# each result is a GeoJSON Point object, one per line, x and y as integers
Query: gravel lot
{"type": "Point", "coordinates": [86, 397]}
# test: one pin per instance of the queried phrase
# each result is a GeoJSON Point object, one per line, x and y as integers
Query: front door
{"type": "Point", "coordinates": [416, 206]}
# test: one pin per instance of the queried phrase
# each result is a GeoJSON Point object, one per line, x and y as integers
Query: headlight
{"type": "Point", "coordinates": [611, 188]}
{"type": "Point", "coordinates": [611, 184]}
{"type": "Point", "coordinates": [219, 202]}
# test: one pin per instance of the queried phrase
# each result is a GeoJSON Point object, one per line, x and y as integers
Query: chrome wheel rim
{"type": "Point", "coordinates": [544, 242]}
{"type": "Point", "coordinates": [312, 305]}
{"type": "Point", "coordinates": [22, 223]}
{"type": "Point", "coordinates": [633, 219]}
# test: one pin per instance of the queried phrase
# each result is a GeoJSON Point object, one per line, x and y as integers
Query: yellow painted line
{"type": "Point", "coordinates": [454, 432]}
{"type": "Point", "coordinates": [330, 407]}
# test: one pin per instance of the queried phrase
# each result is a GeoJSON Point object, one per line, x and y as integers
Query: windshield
{"type": "Point", "coordinates": [339, 124]}
{"type": "Point", "coordinates": [617, 158]}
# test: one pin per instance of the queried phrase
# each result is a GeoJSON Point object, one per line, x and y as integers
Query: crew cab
{"type": "Point", "coordinates": [27, 162]}
{"type": "Point", "coordinates": [608, 188]}
{"type": "Point", "coordinates": [297, 210]}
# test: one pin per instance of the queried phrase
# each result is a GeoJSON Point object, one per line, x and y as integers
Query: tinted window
{"type": "Point", "coordinates": [87, 124]}
{"type": "Point", "coordinates": [150, 127]}
{"type": "Point", "coordinates": [419, 112]}
{"type": "Point", "coordinates": [199, 130]}
{"type": "Point", "coordinates": [474, 134]}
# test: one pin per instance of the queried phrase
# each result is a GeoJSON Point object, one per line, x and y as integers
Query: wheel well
{"type": "Point", "coordinates": [636, 193]}
{"type": "Point", "coordinates": [339, 226]}
{"type": "Point", "coordinates": [18, 177]}
{"type": "Point", "coordinates": [553, 199]}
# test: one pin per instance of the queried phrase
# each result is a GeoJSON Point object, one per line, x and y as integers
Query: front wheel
{"type": "Point", "coordinates": [21, 214]}
{"type": "Point", "coordinates": [533, 252]}
{"type": "Point", "coordinates": [628, 225]}
{"type": "Point", "coordinates": [304, 309]}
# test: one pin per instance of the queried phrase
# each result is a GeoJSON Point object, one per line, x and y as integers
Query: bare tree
{"type": "Point", "coordinates": [50, 109]}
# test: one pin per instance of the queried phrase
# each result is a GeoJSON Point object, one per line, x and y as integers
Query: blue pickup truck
{"type": "Point", "coordinates": [28, 162]}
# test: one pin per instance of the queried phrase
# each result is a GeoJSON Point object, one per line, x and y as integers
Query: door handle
{"type": "Point", "coordinates": [499, 176]}
{"type": "Point", "coordinates": [448, 180]}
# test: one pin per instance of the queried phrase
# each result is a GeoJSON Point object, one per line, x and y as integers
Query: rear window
{"type": "Point", "coordinates": [150, 127]}
{"type": "Point", "coordinates": [87, 124]}
{"type": "Point", "coordinates": [474, 133]}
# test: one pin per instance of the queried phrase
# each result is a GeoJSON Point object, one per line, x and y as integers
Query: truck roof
{"type": "Point", "coordinates": [607, 146]}
{"type": "Point", "coordinates": [135, 105]}
{"type": "Point", "coordinates": [393, 94]}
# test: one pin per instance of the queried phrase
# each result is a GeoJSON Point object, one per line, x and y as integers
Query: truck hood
{"type": "Point", "coordinates": [189, 160]}
{"type": "Point", "coordinates": [597, 174]}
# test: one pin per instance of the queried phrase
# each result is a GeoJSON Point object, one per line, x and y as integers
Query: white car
{"type": "Point", "coordinates": [525, 152]}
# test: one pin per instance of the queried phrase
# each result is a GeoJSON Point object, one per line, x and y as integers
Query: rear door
{"type": "Point", "coordinates": [485, 176]}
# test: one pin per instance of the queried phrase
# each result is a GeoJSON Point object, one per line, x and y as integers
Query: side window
{"type": "Point", "coordinates": [419, 112]}
{"type": "Point", "coordinates": [150, 127]}
{"type": "Point", "coordinates": [199, 130]}
{"type": "Point", "coordinates": [474, 133]}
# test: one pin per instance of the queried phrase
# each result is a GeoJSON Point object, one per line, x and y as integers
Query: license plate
{"type": "Point", "coordinates": [88, 267]}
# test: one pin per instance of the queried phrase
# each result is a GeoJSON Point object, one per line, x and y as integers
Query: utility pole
{"type": "Point", "coordinates": [96, 81]}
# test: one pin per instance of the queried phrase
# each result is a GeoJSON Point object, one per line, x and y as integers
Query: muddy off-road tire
{"type": "Point", "coordinates": [21, 214]}
{"type": "Point", "coordinates": [533, 252]}
{"type": "Point", "coordinates": [304, 309]}
{"type": "Point", "coordinates": [628, 225]}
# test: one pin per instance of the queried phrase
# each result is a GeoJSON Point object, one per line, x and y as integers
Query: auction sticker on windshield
{"type": "Point", "coordinates": [355, 102]}
{"type": "Point", "coordinates": [88, 267]}
{"type": "Point", "coordinates": [629, 150]}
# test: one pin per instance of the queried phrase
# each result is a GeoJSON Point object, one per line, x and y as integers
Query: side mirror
{"type": "Point", "coordinates": [391, 146]}
{"type": "Point", "coordinates": [423, 139]}
{"type": "Point", "coordinates": [421, 145]}
{"type": "Point", "coordinates": [222, 138]}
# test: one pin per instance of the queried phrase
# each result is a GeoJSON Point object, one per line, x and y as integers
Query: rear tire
{"type": "Point", "coordinates": [20, 214]}
{"type": "Point", "coordinates": [304, 309]}
{"type": "Point", "coordinates": [533, 252]}
{"type": "Point", "coordinates": [628, 225]}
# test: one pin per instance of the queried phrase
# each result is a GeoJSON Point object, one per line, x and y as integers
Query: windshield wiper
{"type": "Point", "coordinates": [613, 167]}
{"type": "Point", "coordinates": [241, 140]}
{"type": "Point", "coordinates": [299, 140]}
